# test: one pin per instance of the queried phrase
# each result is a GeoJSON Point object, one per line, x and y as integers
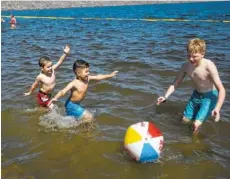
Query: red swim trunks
{"type": "Point", "coordinates": [43, 99]}
{"type": "Point", "coordinates": [12, 21]}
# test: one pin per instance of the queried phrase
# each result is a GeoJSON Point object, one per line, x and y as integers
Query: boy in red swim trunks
{"type": "Point", "coordinates": [13, 22]}
{"type": "Point", "coordinates": [47, 79]}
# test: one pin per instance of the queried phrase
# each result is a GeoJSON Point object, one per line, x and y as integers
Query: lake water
{"type": "Point", "coordinates": [148, 54]}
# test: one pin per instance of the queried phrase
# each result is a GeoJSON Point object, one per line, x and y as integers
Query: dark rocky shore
{"type": "Point", "coordinates": [22, 5]}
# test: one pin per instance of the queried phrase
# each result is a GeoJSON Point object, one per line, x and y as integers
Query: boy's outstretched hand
{"type": "Point", "coordinates": [67, 49]}
{"type": "Point", "coordinates": [27, 94]}
{"type": "Point", "coordinates": [161, 100]}
{"type": "Point", "coordinates": [114, 73]}
{"type": "Point", "coordinates": [216, 114]}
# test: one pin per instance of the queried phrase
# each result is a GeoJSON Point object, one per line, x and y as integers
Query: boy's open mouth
{"type": "Point", "coordinates": [49, 71]}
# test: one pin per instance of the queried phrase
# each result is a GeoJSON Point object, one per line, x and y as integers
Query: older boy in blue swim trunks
{"type": "Point", "coordinates": [209, 94]}
{"type": "Point", "coordinates": [78, 88]}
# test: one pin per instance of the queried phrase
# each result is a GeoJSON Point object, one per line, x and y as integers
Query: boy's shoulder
{"type": "Point", "coordinates": [210, 66]}
{"type": "Point", "coordinates": [78, 82]}
{"type": "Point", "coordinates": [41, 76]}
{"type": "Point", "coordinates": [208, 63]}
{"type": "Point", "coordinates": [74, 81]}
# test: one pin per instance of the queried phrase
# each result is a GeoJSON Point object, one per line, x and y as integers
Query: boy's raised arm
{"type": "Point", "coordinates": [63, 57]}
{"type": "Point", "coordinates": [33, 87]}
{"type": "Point", "coordinates": [102, 77]}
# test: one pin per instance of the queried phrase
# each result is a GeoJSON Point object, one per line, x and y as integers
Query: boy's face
{"type": "Point", "coordinates": [83, 73]}
{"type": "Point", "coordinates": [195, 58]}
{"type": "Point", "coordinates": [47, 69]}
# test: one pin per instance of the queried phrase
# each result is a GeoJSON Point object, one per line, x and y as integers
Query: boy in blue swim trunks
{"type": "Point", "coordinates": [78, 88]}
{"type": "Point", "coordinates": [209, 94]}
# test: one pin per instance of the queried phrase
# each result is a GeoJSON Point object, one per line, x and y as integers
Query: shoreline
{"type": "Point", "coordinates": [34, 5]}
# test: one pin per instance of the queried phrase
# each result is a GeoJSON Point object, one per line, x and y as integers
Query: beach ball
{"type": "Point", "coordinates": [144, 141]}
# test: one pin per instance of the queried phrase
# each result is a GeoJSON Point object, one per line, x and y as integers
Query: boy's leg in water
{"type": "Point", "coordinates": [87, 116]}
{"type": "Point", "coordinates": [208, 103]}
{"type": "Point", "coordinates": [191, 111]}
{"type": "Point", "coordinates": [196, 126]}
{"type": "Point", "coordinates": [51, 106]}
{"type": "Point", "coordinates": [186, 120]}
{"type": "Point", "coordinates": [193, 125]}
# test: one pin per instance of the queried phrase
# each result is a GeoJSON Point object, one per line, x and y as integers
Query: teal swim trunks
{"type": "Point", "coordinates": [74, 109]}
{"type": "Point", "coordinates": [201, 105]}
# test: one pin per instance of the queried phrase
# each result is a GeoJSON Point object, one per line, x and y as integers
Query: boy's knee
{"type": "Point", "coordinates": [185, 120]}
{"type": "Point", "coordinates": [50, 105]}
{"type": "Point", "coordinates": [87, 117]}
{"type": "Point", "coordinates": [196, 126]}
{"type": "Point", "coordinates": [197, 123]}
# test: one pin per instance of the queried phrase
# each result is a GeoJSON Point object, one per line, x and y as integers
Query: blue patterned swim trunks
{"type": "Point", "coordinates": [200, 105]}
{"type": "Point", "coordinates": [74, 109]}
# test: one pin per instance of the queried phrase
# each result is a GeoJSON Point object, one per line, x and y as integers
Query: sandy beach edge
{"type": "Point", "coordinates": [26, 5]}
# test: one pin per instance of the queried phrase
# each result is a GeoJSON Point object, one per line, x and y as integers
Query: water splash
{"type": "Point", "coordinates": [55, 119]}
{"type": "Point", "coordinates": [30, 110]}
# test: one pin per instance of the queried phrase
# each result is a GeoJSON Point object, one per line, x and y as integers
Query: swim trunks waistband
{"type": "Point", "coordinates": [207, 92]}
{"type": "Point", "coordinates": [40, 91]}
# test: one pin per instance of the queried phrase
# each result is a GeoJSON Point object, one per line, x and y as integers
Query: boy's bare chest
{"type": "Point", "coordinates": [81, 87]}
{"type": "Point", "coordinates": [198, 73]}
{"type": "Point", "coordinates": [48, 79]}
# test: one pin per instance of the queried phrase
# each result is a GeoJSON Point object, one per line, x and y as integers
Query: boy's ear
{"type": "Point", "coordinates": [78, 72]}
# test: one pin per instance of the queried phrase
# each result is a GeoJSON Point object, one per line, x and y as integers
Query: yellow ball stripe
{"type": "Point", "coordinates": [132, 136]}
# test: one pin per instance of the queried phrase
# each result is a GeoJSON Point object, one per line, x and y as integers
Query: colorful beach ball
{"type": "Point", "coordinates": [144, 142]}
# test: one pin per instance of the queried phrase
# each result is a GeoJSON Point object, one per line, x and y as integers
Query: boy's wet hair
{"type": "Point", "coordinates": [43, 60]}
{"type": "Point", "coordinates": [196, 45]}
{"type": "Point", "coordinates": [80, 64]}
